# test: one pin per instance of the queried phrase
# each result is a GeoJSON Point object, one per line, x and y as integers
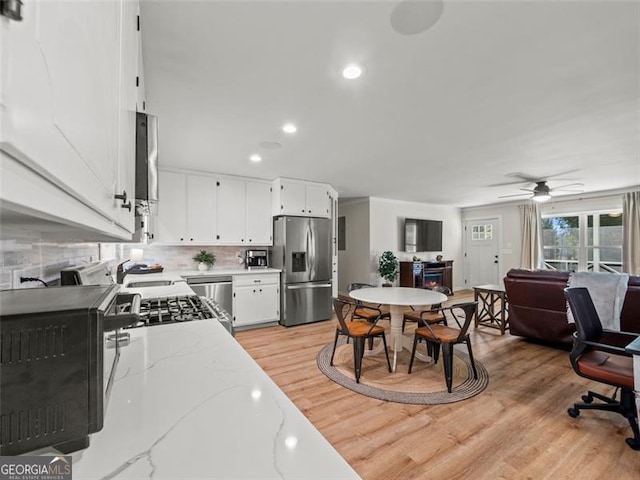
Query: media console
{"type": "Point", "coordinates": [426, 274]}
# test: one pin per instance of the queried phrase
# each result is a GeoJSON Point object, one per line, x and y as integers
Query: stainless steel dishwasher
{"type": "Point", "coordinates": [214, 287]}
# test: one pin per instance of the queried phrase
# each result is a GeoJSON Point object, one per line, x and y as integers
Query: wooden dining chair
{"type": "Point", "coordinates": [433, 315]}
{"type": "Point", "coordinates": [438, 335]}
{"type": "Point", "coordinates": [368, 312]}
{"type": "Point", "coordinates": [359, 331]}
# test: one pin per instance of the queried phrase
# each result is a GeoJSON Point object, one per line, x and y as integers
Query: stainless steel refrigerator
{"type": "Point", "coordinates": [302, 250]}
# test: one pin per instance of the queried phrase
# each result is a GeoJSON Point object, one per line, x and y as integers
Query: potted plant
{"type": "Point", "coordinates": [388, 267]}
{"type": "Point", "coordinates": [205, 259]}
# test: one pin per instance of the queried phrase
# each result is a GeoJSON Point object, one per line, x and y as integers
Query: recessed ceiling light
{"type": "Point", "coordinates": [289, 128]}
{"type": "Point", "coordinates": [352, 71]}
{"type": "Point", "coordinates": [255, 158]}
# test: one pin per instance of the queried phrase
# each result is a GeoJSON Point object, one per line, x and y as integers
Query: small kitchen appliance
{"type": "Point", "coordinates": [58, 353]}
{"type": "Point", "coordinates": [255, 259]}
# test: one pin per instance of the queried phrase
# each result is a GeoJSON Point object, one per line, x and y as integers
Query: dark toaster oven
{"type": "Point", "coordinates": [56, 364]}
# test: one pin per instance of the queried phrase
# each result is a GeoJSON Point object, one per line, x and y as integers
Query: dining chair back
{"type": "Point", "coordinates": [447, 337]}
{"type": "Point", "coordinates": [434, 314]}
{"type": "Point", "coordinates": [368, 312]}
{"type": "Point", "coordinates": [358, 330]}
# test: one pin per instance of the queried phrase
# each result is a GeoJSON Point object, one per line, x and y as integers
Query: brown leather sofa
{"type": "Point", "coordinates": [538, 309]}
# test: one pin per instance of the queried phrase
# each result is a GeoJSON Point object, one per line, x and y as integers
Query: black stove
{"type": "Point", "coordinates": [161, 311]}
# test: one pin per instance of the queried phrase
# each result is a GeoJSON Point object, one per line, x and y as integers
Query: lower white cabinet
{"type": "Point", "coordinates": [256, 298]}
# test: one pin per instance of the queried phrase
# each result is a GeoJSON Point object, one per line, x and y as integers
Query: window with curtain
{"type": "Point", "coordinates": [587, 241]}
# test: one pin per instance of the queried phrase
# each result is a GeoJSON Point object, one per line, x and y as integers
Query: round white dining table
{"type": "Point", "coordinates": [396, 298]}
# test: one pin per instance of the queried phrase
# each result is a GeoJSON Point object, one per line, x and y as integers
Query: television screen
{"type": "Point", "coordinates": [422, 235]}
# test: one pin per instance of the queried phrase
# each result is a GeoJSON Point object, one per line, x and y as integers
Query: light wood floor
{"type": "Point", "coordinates": [517, 428]}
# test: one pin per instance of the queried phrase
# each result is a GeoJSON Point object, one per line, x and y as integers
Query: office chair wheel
{"type": "Point", "coordinates": [587, 398]}
{"type": "Point", "coordinates": [633, 443]}
{"type": "Point", "coordinates": [573, 412]}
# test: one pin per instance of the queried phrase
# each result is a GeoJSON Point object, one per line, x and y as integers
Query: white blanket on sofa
{"type": "Point", "coordinates": [607, 291]}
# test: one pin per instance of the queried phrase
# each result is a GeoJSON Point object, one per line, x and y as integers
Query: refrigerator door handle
{"type": "Point", "coordinates": [302, 287]}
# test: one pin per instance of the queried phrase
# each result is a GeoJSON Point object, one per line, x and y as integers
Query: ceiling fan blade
{"type": "Point", "coordinates": [515, 195]}
{"type": "Point", "coordinates": [523, 176]}
{"type": "Point", "coordinates": [562, 187]}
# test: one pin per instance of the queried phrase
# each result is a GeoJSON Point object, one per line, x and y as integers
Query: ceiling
{"type": "Point", "coordinates": [440, 116]}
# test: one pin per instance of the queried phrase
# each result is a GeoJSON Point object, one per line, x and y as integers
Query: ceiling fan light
{"type": "Point", "coordinates": [542, 197]}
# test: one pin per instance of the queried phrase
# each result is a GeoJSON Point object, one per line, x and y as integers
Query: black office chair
{"type": "Point", "coordinates": [599, 355]}
{"type": "Point", "coordinates": [359, 330]}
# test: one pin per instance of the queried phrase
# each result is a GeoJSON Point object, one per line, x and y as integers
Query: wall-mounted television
{"type": "Point", "coordinates": [422, 235]}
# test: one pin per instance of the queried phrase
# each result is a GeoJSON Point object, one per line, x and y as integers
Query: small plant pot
{"type": "Point", "coordinates": [387, 285]}
{"type": "Point", "coordinates": [203, 266]}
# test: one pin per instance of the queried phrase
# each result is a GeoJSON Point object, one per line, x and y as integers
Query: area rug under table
{"type": "Point", "coordinates": [424, 386]}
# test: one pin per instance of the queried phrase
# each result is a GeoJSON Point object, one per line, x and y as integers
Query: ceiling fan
{"type": "Point", "coordinates": [542, 192]}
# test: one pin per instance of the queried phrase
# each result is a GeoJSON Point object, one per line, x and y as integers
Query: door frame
{"type": "Point", "coordinates": [465, 221]}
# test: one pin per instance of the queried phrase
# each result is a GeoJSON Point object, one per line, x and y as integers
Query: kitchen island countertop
{"type": "Point", "coordinates": [226, 271]}
{"type": "Point", "coordinates": [189, 402]}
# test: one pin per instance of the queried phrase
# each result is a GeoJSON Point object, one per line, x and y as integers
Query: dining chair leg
{"type": "Point", "coordinates": [335, 344]}
{"type": "Point", "coordinates": [473, 363]}
{"type": "Point", "coordinates": [447, 354]}
{"type": "Point", "coordinates": [413, 351]}
{"type": "Point", "coordinates": [358, 347]}
{"type": "Point", "coordinates": [436, 351]}
{"type": "Point", "coordinates": [386, 352]}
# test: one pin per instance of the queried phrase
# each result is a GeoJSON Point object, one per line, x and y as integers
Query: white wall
{"type": "Point", "coordinates": [510, 218]}
{"type": "Point", "coordinates": [353, 263]}
{"type": "Point", "coordinates": [387, 221]}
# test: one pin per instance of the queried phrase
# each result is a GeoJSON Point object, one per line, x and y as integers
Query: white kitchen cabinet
{"type": "Point", "coordinates": [259, 221]}
{"type": "Point", "coordinates": [141, 91]}
{"type": "Point", "coordinates": [256, 298]}
{"type": "Point", "coordinates": [187, 209]}
{"type": "Point", "coordinates": [231, 228]}
{"type": "Point", "coordinates": [201, 210]}
{"type": "Point", "coordinates": [68, 80]}
{"type": "Point", "coordinates": [300, 198]}
{"type": "Point", "coordinates": [171, 219]}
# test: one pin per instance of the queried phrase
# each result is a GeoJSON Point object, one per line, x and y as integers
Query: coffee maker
{"type": "Point", "coordinates": [255, 259]}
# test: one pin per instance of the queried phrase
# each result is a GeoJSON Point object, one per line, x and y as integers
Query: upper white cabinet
{"type": "Point", "coordinates": [231, 212]}
{"type": "Point", "coordinates": [259, 221]}
{"type": "Point", "coordinates": [209, 209]}
{"type": "Point", "coordinates": [186, 209]}
{"type": "Point", "coordinates": [68, 111]}
{"type": "Point", "coordinates": [300, 198]}
{"type": "Point", "coordinates": [201, 209]}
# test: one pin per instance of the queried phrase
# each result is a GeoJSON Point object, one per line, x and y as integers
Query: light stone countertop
{"type": "Point", "coordinates": [189, 402]}
{"type": "Point", "coordinates": [226, 271]}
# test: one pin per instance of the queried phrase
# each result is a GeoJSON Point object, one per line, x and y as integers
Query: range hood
{"type": "Point", "coordinates": [146, 157]}
{"type": "Point", "coordinates": [146, 195]}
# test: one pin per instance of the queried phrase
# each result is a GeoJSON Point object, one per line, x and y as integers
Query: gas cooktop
{"type": "Point", "coordinates": [184, 308]}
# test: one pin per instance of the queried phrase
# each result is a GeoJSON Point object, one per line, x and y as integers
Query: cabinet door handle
{"type": "Point", "coordinates": [123, 196]}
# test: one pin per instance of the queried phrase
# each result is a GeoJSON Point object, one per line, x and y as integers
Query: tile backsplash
{"type": "Point", "coordinates": [25, 258]}
{"type": "Point", "coordinates": [174, 257]}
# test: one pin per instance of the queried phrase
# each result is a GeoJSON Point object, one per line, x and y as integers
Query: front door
{"type": "Point", "coordinates": [481, 252]}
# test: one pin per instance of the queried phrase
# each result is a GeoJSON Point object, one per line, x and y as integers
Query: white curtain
{"type": "Point", "coordinates": [631, 233]}
{"type": "Point", "coordinates": [531, 226]}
